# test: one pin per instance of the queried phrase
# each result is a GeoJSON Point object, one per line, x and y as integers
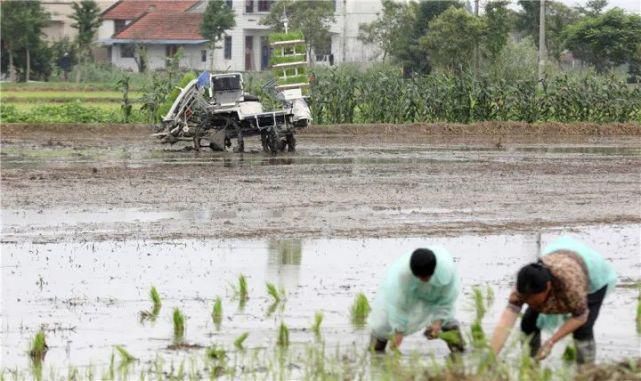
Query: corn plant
{"type": "Point", "coordinates": [179, 325]}
{"type": "Point", "coordinates": [240, 340]}
{"type": "Point", "coordinates": [360, 310]}
{"type": "Point", "coordinates": [38, 347]}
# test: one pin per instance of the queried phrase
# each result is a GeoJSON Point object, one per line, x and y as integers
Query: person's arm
{"type": "Point", "coordinates": [503, 328]}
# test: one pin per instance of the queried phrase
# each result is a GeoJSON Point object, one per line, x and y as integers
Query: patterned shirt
{"type": "Point", "coordinates": [569, 293]}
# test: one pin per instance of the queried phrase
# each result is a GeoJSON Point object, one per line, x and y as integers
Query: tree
{"type": "Point", "coordinates": [217, 19]}
{"type": "Point", "coordinates": [498, 22]}
{"type": "Point", "coordinates": [557, 17]}
{"type": "Point", "coordinates": [607, 40]}
{"type": "Point", "coordinates": [593, 8]}
{"type": "Point", "coordinates": [86, 15]}
{"type": "Point", "coordinates": [388, 29]}
{"type": "Point", "coordinates": [22, 24]}
{"type": "Point", "coordinates": [312, 17]}
{"type": "Point", "coordinates": [452, 38]}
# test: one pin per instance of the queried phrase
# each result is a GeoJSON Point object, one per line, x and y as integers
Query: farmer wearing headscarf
{"type": "Point", "coordinates": [564, 289]}
{"type": "Point", "coordinates": [418, 292]}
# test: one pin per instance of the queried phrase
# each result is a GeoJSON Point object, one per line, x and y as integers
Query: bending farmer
{"type": "Point", "coordinates": [565, 288]}
{"type": "Point", "coordinates": [419, 291]}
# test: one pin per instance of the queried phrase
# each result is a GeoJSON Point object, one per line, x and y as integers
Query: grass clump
{"type": "Point", "coordinates": [179, 325]}
{"type": "Point", "coordinates": [215, 353]}
{"type": "Point", "coordinates": [569, 355]}
{"type": "Point", "coordinates": [283, 336]}
{"type": "Point", "coordinates": [125, 356]}
{"type": "Point", "coordinates": [318, 320]}
{"type": "Point", "coordinates": [39, 347]}
{"type": "Point", "coordinates": [217, 312]}
{"type": "Point", "coordinates": [360, 310]}
{"type": "Point", "coordinates": [240, 340]}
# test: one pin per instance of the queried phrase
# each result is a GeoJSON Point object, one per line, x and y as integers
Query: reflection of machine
{"type": "Point", "coordinates": [226, 112]}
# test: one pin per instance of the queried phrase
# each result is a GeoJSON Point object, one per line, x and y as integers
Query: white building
{"type": "Point", "coordinates": [163, 27]}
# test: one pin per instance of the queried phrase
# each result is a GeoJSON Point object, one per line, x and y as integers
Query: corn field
{"type": "Point", "coordinates": [381, 95]}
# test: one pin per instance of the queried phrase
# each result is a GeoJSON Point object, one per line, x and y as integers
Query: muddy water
{"type": "Point", "coordinates": [88, 294]}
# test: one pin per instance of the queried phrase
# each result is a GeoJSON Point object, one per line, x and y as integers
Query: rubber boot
{"type": "Point", "coordinates": [377, 345]}
{"type": "Point", "coordinates": [534, 342]}
{"type": "Point", "coordinates": [585, 351]}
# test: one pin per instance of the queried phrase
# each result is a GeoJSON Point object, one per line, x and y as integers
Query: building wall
{"type": "Point", "coordinates": [349, 15]}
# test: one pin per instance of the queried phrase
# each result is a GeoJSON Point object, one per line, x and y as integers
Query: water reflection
{"type": "Point", "coordinates": [283, 263]}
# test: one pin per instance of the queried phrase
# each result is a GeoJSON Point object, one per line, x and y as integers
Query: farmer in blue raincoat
{"type": "Point", "coordinates": [419, 292]}
{"type": "Point", "coordinates": [564, 291]}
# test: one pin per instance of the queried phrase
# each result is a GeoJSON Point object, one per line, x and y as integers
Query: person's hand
{"type": "Point", "coordinates": [433, 330]}
{"type": "Point", "coordinates": [545, 350]}
{"type": "Point", "coordinates": [397, 340]}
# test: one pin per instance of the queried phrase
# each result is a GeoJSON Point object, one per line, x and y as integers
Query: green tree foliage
{"type": "Point", "coordinates": [217, 19]}
{"type": "Point", "coordinates": [498, 26]}
{"type": "Point", "coordinates": [593, 8]}
{"type": "Point", "coordinates": [605, 41]}
{"type": "Point", "coordinates": [86, 16]}
{"type": "Point", "coordinates": [312, 17]}
{"type": "Point", "coordinates": [21, 27]}
{"type": "Point", "coordinates": [452, 37]}
{"type": "Point", "coordinates": [557, 17]}
{"type": "Point", "coordinates": [385, 32]}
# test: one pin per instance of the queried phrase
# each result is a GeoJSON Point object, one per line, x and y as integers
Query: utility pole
{"type": "Point", "coordinates": [542, 50]}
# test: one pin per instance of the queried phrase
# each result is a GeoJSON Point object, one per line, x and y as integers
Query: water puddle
{"type": "Point", "coordinates": [88, 295]}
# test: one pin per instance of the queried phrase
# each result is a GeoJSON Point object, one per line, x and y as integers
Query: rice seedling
{"type": "Point", "coordinates": [240, 340]}
{"type": "Point", "coordinates": [360, 310]}
{"type": "Point", "coordinates": [215, 353]}
{"type": "Point", "coordinates": [451, 337]}
{"type": "Point", "coordinates": [479, 303]}
{"type": "Point", "coordinates": [639, 313]}
{"type": "Point", "coordinates": [273, 292]}
{"type": "Point", "coordinates": [39, 347]}
{"type": "Point", "coordinates": [318, 320]}
{"type": "Point", "coordinates": [489, 297]}
{"type": "Point", "coordinates": [283, 336]}
{"type": "Point", "coordinates": [155, 298]}
{"type": "Point", "coordinates": [179, 325]}
{"type": "Point", "coordinates": [569, 354]}
{"type": "Point", "coordinates": [125, 356]}
{"type": "Point", "coordinates": [242, 292]}
{"type": "Point", "coordinates": [217, 312]}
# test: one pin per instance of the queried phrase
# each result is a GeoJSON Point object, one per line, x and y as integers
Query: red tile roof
{"type": "Point", "coordinates": [131, 9]}
{"type": "Point", "coordinates": [164, 26]}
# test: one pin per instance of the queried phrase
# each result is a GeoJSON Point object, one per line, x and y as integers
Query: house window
{"type": "Point", "coordinates": [227, 47]}
{"type": "Point", "coordinates": [171, 50]}
{"type": "Point", "coordinates": [264, 5]}
{"type": "Point", "coordinates": [229, 3]}
{"type": "Point", "coordinates": [119, 25]}
{"type": "Point", "coordinates": [127, 51]}
{"type": "Point", "coordinates": [249, 6]}
{"type": "Point", "coordinates": [203, 56]}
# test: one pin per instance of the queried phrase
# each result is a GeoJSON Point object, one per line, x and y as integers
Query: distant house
{"type": "Point", "coordinates": [163, 27]}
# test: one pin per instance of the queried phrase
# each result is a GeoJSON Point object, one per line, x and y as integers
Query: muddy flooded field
{"type": "Point", "coordinates": [91, 220]}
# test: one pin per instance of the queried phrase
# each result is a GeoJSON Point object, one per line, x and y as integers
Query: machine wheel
{"type": "Point", "coordinates": [273, 141]}
{"type": "Point", "coordinates": [290, 139]}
